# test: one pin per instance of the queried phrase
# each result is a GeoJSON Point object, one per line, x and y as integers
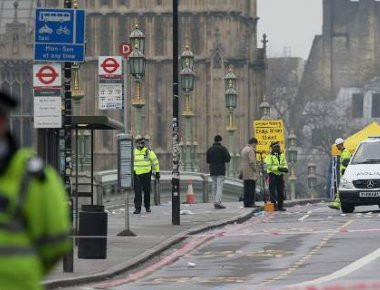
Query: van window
{"type": "Point", "coordinates": [367, 153]}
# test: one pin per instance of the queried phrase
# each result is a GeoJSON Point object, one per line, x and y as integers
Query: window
{"type": "Point", "coordinates": [357, 105]}
{"type": "Point", "coordinates": [376, 105]}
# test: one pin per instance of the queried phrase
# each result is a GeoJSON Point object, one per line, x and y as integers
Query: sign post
{"type": "Point", "coordinates": [125, 174]}
{"type": "Point", "coordinates": [110, 83]}
{"type": "Point", "coordinates": [59, 34]}
{"type": "Point", "coordinates": [47, 84]}
{"type": "Point", "coordinates": [266, 132]}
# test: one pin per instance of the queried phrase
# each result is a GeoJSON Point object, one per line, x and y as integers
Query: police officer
{"type": "Point", "coordinates": [344, 159]}
{"type": "Point", "coordinates": [34, 215]}
{"type": "Point", "coordinates": [144, 160]}
{"type": "Point", "coordinates": [276, 168]}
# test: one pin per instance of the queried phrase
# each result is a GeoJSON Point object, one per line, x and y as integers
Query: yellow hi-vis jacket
{"type": "Point", "coordinates": [144, 160]}
{"type": "Point", "coordinates": [343, 156]}
{"type": "Point", "coordinates": [34, 222]}
{"type": "Point", "coordinates": [273, 164]}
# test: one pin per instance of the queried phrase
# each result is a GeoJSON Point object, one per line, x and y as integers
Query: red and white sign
{"type": "Point", "coordinates": [125, 49]}
{"type": "Point", "coordinates": [110, 66]}
{"type": "Point", "coordinates": [47, 76]}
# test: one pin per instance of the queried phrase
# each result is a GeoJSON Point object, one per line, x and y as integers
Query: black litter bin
{"type": "Point", "coordinates": [93, 221]}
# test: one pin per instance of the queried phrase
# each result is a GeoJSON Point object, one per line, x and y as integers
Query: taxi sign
{"type": "Point", "coordinates": [266, 132]}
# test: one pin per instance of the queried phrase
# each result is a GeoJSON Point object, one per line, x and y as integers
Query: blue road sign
{"type": "Point", "coordinates": [59, 35]}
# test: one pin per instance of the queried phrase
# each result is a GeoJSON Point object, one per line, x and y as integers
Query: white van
{"type": "Point", "coordinates": [360, 184]}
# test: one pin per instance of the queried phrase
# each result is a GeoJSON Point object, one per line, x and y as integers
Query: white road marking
{"type": "Point", "coordinates": [303, 218]}
{"type": "Point", "coordinates": [346, 270]}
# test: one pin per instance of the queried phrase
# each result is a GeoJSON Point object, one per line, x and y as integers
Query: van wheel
{"type": "Point", "coordinates": [347, 208]}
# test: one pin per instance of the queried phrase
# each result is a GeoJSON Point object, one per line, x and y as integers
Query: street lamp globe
{"type": "Point", "coordinates": [231, 98]}
{"type": "Point", "coordinates": [292, 138]}
{"type": "Point", "coordinates": [292, 152]}
{"type": "Point", "coordinates": [311, 176]}
{"type": "Point", "coordinates": [187, 79]}
{"type": "Point", "coordinates": [187, 59]}
{"type": "Point", "coordinates": [137, 38]}
{"type": "Point", "coordinates": [137, 63]}
{"type": "Point", "coordinates": [265, 109]}
{"type": "Point", "coordinates": [230, 79]}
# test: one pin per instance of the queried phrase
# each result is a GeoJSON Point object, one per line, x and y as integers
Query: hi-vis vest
{"type": "Point", "coordinates": [34, 222]}
{"type": "Point", "coordinates": [144, 161]}
{"type": "Point", "coordinates": [343, 156]}
{"type": "Point", "coordinates": [273, 164]}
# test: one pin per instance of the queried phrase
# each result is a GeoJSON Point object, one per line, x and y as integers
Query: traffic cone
{"type": "Point", "coordinates": [190, 198]}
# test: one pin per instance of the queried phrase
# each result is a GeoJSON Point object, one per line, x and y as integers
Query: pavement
{"type": "Point", "coordinates": [154, 234]}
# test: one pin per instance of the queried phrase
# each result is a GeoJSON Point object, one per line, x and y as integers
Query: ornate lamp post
{"type": "Point", "coordinates": [187, 84]}
{"type": "Point", "coordinates": [137, 67]}
{"type": "Point", "coordinates": [312, 177]}
{"type": "Point", "coordinates": [231, 103]}
{"type": "Point", "coordinates": [292, 155]}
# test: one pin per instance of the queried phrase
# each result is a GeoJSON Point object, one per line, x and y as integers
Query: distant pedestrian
{"type": "Point", "coordinates": [276, 168]}
{"type": "Point", "coordinates": [144, 160]}
{"type": "Point", "coordinates": [217, 157]}
{"type": "Point", "coordinates": [249, 172]}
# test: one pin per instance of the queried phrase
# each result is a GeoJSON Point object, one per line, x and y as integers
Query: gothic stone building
{"type": "Point", "coordinates": [220, 33]}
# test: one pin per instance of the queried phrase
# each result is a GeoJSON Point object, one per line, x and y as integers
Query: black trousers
{"type": "Point", "coordinates": [276, 189]}
{"type": "Point", "coordinates": [142, 183]}
{"type": "Point", "coordinates": [249, 192]}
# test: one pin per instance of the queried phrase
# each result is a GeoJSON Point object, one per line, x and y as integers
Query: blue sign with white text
{"type": "Point", "coordinates": [59, 35]}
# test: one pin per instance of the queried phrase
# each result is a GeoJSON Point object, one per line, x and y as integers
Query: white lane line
{"type": "Point", "coordinates": [346, 270]}
{"type": "Point", "coordinates": [303, 218]}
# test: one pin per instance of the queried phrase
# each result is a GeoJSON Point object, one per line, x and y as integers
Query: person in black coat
{"type": "Point", "coordinates": [217, 157]}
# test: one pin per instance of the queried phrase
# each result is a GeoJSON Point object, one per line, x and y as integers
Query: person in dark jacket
{"type": "Point", "coordinates": [217, 157]}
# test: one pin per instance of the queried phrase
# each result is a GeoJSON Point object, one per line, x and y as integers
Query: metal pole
{"type": "Point", "coordinates": [125, 107]}
{"type": "Point", "coordinates": [175, 124]}
{"type": "Point", "coordinates": [68, 261]}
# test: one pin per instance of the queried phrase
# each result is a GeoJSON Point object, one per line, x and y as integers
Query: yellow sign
{"type": "Point", "coordinates": [266, 132]}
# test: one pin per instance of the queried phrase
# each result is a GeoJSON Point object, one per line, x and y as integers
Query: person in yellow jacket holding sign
{"type": "Point", "coordinates": [344, 159]}
{"type": "Point", "coordinates": [276, 167]}
{"type": "Point", "coordinates": [34, 213]}
{"type": "Point", "coordinates": [144, 160]}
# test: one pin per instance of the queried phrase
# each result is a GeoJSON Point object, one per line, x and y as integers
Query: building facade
{"type": "Point", "coordinates": [220, 33]}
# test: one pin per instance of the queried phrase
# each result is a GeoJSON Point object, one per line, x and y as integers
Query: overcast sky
{"type": "Point", "coordinates": [289, 24]}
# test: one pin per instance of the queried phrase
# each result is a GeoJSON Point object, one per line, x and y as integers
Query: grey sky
{"type": "Point", "coordinates": [289, 23]}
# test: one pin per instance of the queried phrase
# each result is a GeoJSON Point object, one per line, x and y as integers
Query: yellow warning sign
{"type": "Point", "coordinates": [266, 132]}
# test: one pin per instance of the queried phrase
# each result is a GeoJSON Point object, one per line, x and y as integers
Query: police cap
{"type": "Point", "coordinates": [7, 103]}
{"type": "Point", "coordinates": [276, 143]}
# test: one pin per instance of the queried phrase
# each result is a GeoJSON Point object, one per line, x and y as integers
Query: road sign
{"type": "Point", "coordinates": [266, 132]}
{"type": "Point", "coordinates": [125, 49]}
{"type": "Point", "coordinates": [47, 112]}
{"type": "Point", "coordinates": [110, 83]}
{"type": "Point", "coordinates": [110, 66]}
{"type": "Point", "coordinates": [59, 35]}
{"type": "Point", "coordinates": [47, 76]}
{"type": "Point", "coordinates": [110, 96]}
{"type": "Point", "coordinates": [47, 85]}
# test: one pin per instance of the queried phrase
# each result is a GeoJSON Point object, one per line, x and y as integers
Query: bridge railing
{"type": "Point", "coordinates": [107, 192]}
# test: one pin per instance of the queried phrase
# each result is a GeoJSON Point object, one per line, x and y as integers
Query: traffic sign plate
{"type": "Point", "coordinates": [125, 49]}
{"type": "Point", "coordinates": [47, 76]}
{"type": "Point", "coordinates": [110, 66]}
{"type": "Point", "coordinates": [59, 35]}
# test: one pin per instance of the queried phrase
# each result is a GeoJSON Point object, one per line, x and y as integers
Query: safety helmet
{"type": "Point", "coordinates": [139, 138]}
{"type": "Point", "coordinates": [339, 141]}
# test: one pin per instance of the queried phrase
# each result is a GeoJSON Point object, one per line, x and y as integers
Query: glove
{"type": "Point", "coordinates": [283, 169]}
{"type": "Point", "coordinates": [157, 175]}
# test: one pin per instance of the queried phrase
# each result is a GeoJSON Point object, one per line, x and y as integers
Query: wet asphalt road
{"type": "Point", "coordinates": [303, 244]}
